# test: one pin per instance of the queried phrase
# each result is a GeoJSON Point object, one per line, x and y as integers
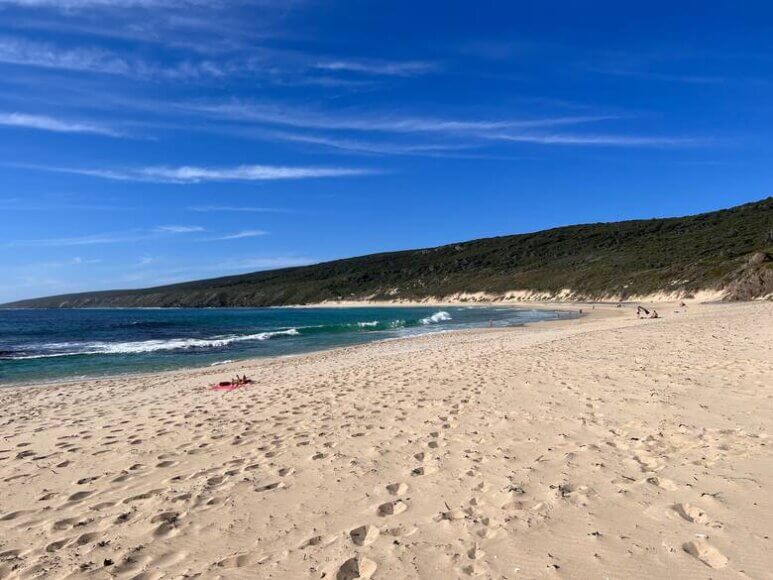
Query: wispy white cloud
{"type": "Point", "coordinates": [273, 114]}
{"type": "Point", "coordinates": [447, 135]}
{"type": "Point", "coordinates": [129, 236]}
{"type": "Point", "coordinates": [23, 52]}
{"type": "Point", "coordinates": [602, 140]}
{"type": "Point", "coordinates": [235, 208]}
{"type": "Point", "coordinates": [44, 123]}
{"type": "Point", "coordinates": [88, 240]}
{"type": "Point", "coordinates": [278, 67]}
{"type": "Point", "coordinates": [190, 174]}
{"type": "Point", "coordinates": [76, 261]}
{"type": "Point", "coordinates": [243, 234]}
{"type": "Point", "coordinates": [29, 53]}
{"type": "Point", "coordinates": [212, 27]}
{"type": "Point", "coordinates": [179, 229]}
{"type": "Point", "coordinates": [80, 4]}
{"type": "Point", "coordinates": [375, 147]}
{"type": "Point", "coordinates": [377, 67]}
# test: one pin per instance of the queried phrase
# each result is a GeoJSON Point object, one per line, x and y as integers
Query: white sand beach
{"type": "Point", "coordinates": [602, 447]}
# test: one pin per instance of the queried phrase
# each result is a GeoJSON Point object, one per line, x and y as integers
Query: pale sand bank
{"type": "Point", "coordinates": [599, 447]}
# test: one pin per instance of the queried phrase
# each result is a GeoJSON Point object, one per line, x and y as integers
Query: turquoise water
{"type": "Point", "coordinates": [42, 345]}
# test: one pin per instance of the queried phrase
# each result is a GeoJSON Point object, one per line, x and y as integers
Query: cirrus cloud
{"type": "Point", "coordinates": [45, 123]}
{"type": "Point", "coordinates": [191, 174]}
{"type": "Point", "coordinates": [243, 234]}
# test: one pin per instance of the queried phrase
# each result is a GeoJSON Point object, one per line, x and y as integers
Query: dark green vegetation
{"type": "Point", "coordinates": [730, 249]}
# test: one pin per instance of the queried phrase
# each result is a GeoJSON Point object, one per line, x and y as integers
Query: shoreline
{"type": "Point", "coordinates": [54, 382]}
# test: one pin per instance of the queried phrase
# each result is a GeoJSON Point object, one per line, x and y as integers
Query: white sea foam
{"type": "Point", "coordinates": [437, 317]}
{"type": "Point", "coordinates": [74, 348]}
{"type": "Point", "coordinates": [34, 356]}
{"type": "Point", "coordinates": [221, 362]}
{"type": "Point", "coordinates": [368, 324]}
{"type": "Point", "coordinates": [183, 343]}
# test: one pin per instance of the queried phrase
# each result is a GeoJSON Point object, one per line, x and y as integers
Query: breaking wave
{"type": "Point", "coordinates": [67, 349]}
{"type": "Point", "coordinates": [441, 316]}
{"type": "Point", "coordinates": [144, 346]}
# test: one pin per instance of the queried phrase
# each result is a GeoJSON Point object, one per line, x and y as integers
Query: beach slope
{"type": "Point", "coordinates": [601, 447]}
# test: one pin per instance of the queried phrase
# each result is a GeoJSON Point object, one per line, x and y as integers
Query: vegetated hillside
{"type": "Point", "coordinates": [730, 250]}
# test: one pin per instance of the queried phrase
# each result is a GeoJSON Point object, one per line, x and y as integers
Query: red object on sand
{"type": "Point", "coordinates": [228, 386]}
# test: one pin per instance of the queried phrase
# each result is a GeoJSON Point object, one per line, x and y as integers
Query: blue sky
{"type": "Point", "coordinates": [145, 142]}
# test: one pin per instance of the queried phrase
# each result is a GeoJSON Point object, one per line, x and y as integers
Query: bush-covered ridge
{"type": "Point", "coordinates": [729, 249]}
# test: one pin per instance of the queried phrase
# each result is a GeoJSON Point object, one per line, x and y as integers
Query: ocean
{"type": "Point", "coordinates": [44, 345]}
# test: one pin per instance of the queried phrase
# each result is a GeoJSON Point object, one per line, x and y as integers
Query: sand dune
{"type": "Point", "coordinates": [605, 447]}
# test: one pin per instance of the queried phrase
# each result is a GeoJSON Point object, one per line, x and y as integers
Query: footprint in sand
{"type": "Point", "coordinates": [663, 483]}
{"type": "Point", "coordinates": [103, 505]}
{"type": "Point", "coordinates": [647, 462]}
{"type": "Point", "coordinates": [364, 535]}
{"type": "Point", "coordinates": [454, 515]}
{"type": "Point", "coordinates": [691, 513]}
{"type": "Point", "coordinates": [238, 561]}
{"type": "Point", "coordinates": [143, 496]}
{"type": "Point", "coordinates": [13, 515]}
{"type": "Point", "coordinates": [86, 538]}
{"type": "Point", "coordinates": [79, 496]}
{"type": "Point", "coordinates": [474, 569]}
{"type": "Point", "coordinates": [271, 486]}
{"type": "Point", "coordinates": [424, 470]}
{"type": "Point", "coordinates": [168, 523]}
{"type": "Point", "coordinates": [357, 567]}
{"type": "Point", "coordinates": [397, 488]}
{"type": "Point", "coordinates": [54, 546]}
{"type": "Point", "coordinates": [64, 524]}
{"type": "Point", "coordinates": [401, 531]}
{"type": "Point", "coordinates": [706, 553]}
{"type": "Point", "coordinates": [475, 553]}
{"type": "Point", "coordinates": [318, 541]}
{"type": "Point", "coordinates": [392, 508]}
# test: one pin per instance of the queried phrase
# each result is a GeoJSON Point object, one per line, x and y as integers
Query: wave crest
{"type": "Point", "coordinates": [441, 316]}
{"type": "Point", "coordinates": [146, 346]}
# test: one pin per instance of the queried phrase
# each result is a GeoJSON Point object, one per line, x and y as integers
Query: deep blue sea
{"type": "Point", "coordinates": [43, 345]}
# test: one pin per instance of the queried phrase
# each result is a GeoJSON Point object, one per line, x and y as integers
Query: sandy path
{"type": "Point", "coordinates": [604, 447]}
